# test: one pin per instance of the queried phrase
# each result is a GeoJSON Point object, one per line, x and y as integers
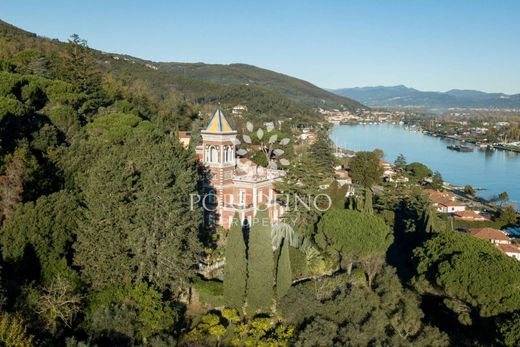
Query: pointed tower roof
{"type": "Point", "coordinates": [219, 123]}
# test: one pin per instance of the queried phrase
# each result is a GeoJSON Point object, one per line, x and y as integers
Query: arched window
{"type": "Point", "coordinates": [226, 154]}
{"type": "Point", "coordinates": [213, 154]}
{"type": "Point", "coordinates": [230, 154]}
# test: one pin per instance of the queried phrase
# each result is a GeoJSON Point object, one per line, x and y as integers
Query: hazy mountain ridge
{"type": "Point", "coordinates": [402, 96]}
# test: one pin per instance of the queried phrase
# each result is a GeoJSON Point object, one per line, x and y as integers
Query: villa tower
{"type": "Point", "coordinates": [235, 184]}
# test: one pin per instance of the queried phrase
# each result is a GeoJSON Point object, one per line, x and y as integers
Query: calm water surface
{"type": "Point", "coordinates": [492, 171]}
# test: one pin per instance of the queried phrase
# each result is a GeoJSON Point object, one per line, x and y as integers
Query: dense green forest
{"type": "Point", "coordinates": [99, 244]}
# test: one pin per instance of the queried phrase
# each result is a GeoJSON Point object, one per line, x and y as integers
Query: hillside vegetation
{"type": "Point", "coordinates": [295, 89]}
{"type": "Point", "coordinates": [267, 94]}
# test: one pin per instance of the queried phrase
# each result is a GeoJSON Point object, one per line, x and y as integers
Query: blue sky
{"type": "Point", "coordinates": [429, 45]}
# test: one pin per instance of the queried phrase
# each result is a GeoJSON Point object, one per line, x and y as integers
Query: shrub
{"type": "Point", "coordinates": [211, 293]}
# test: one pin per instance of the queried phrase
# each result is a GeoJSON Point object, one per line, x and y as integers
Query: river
{"type": "Point", "coordinates": [492, 171]}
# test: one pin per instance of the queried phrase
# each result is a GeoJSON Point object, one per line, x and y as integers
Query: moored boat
{"type": "Point", "coordinates": [460, 148]}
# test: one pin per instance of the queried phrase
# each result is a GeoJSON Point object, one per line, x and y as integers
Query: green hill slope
{"type": "Point", "coordinates": [294, 88]}
{"type": "Point", "coordinates": [267, 94]}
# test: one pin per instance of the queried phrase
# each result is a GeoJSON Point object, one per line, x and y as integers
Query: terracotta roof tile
{"type": "Point", "coordinates": [488, 234]}
{"type": "Point", "coordinates": [469, 214]}
{"type": "Point", "coordinates": [508, 248]}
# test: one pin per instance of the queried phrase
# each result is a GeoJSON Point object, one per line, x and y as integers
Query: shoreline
{"type": "Point", "coordinates": [491, 146]}
{"type": "Point", "coordinates": [476, 200]}
{"type": "Point", "coordinates": [488, 146]}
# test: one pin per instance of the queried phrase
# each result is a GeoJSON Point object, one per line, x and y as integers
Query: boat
{"type": "Point", "coordinates": [460, 148]}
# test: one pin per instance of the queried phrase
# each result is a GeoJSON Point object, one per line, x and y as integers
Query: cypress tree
{"type": "Point", "coordinates": [260, 265]}
{"type": "Point", "coordinates": [367, 207]}
{"type": "Point", "coordinates": [235, 270]}
{"type": "Point", "coordinates": [283, 272]}
{"type": "Point", "coordinates": [428, 220]}
{"type": "Point", "coordinates": [354, 203]}
{"type": "Point", "coordinates": [350, 203]}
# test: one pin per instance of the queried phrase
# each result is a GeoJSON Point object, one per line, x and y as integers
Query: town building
{"type": "Point", "coordinates": [235, 184]}
{"type": "Point", "coordinates": [445, 202]}
{"type": "Point", "coordinates": [470, 216]}
{"type": "Point", "coordinates": [499, 238]}
{"type": "Point", "coordinates": [510, 250]}
{"type": "Point", "coordinates": [343, 177]}
{"type": "Point", "coordinates": [388, 170]}
{"type": "Point", "coordinates": [494, 236]}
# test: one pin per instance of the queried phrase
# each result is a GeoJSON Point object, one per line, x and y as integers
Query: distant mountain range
{"type": "Point", "coordinates": [402, 96]}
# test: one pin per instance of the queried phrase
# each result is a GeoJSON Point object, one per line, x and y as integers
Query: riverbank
{"type": "Point", "coordinates": [478, 144]}
{"type": "Point", "coordinates": [492, 172]}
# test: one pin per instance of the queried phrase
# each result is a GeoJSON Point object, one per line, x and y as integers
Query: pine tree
{"type": "Point", "coordinates": [365, 169]}
{"type": "Point", "coordinates": [260, 265]}
{"type": "Point", "coordinates": [283, 272]}
{"type": "Point", "coordinates": [400, 163]}
{"type": "Point", "coordinates": [81, 69]}
{"type": "Point", "coordinates": [235, 270]}
{"type": "Point", "coordinates": [322, 154]}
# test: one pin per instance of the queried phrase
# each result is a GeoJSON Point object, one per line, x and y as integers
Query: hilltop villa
{"type": "Point", "coordinates": [235, 184]}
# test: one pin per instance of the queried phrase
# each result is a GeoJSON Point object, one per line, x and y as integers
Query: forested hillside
{"type": "Point", "coordinates": [295, 89]}
{"type": "Point", "coordinates": [86, 168]}
{"type": "Point", "coordinates": [266, 94]}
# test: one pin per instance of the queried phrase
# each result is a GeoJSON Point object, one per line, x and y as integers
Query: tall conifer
{"type": "Point", "coordinates": [260, 265]}
{"type": "Point", "coordinates": [428, 220]}
{"type": "Point", "coordinates": [283, 273]}
{"type": "Point", "coordinates": [235, 271]}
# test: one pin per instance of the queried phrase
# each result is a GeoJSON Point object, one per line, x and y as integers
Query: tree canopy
{"type": "Point", "coordinates": [138, 195]}
{"type": "Point", "coordinates": [365, 169]}
{"type": "Point", "coordinates": [473, 275]}
{"type": "Point", "coordinates": [418, 171]}
{"type": "Point", "coordinates": [353, 235]}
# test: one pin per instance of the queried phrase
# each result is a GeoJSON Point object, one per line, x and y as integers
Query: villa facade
{"type": "Point", "coordinates": [235, 184]}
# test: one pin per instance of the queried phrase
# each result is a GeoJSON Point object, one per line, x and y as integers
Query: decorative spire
{"type": "Point", "coordinates": [219, 123]}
